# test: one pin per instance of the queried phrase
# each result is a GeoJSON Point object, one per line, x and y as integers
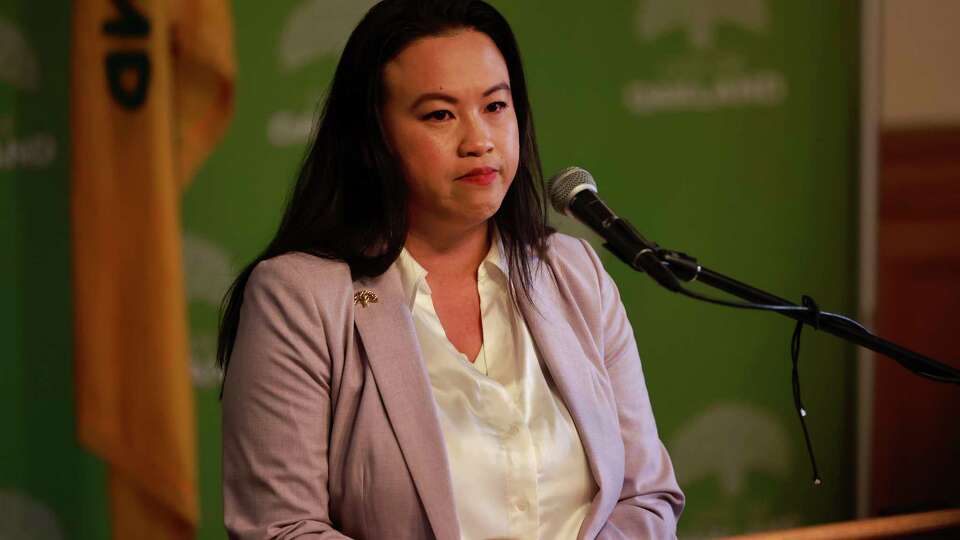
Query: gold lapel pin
{"type": "Point", "coordinates": [364, 297]}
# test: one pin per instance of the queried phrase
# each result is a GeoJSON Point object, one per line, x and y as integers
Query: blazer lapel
{"type": "Point", "coordinates": [576, 382]}
{"type": "Point", "coordinates": [390, 341]}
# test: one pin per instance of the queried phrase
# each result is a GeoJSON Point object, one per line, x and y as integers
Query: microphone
{"type": "Point", "coordinates": [573, 192]}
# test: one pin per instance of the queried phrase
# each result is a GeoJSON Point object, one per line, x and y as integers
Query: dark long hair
{"type": "Point", "coordinates": [350, 199]}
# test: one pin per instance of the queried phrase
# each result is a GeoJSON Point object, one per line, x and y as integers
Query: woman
{"type": "Point", "coordinates": [415, 355]}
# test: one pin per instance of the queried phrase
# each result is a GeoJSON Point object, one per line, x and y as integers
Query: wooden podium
{"type": "Point", "coordinates": [940, 524]}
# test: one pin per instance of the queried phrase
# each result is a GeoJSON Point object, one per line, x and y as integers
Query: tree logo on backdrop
{"type": "Point", "coordinates": [725, 446]}
{"type": "Point", "coordinates": [209, 273]}
{"type": "Point", "coordinates": [20, 69]}
{"type": "Point", "coordinates": [18, 62]}
{"type": "Point", "coordinates": [706, 75]}
{"type": "Point", "coordinates": [314, 30]}
{"type": "Point", "coordinates": [26, 518]}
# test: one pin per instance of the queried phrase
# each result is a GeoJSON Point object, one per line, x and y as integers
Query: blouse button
{"type": "Point", "coordinates": [512, 432]}
{"type": "Point", "coordinates": [522, 505]}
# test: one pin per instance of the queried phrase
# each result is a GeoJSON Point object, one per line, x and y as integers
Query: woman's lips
{"type": "Point", "coordinates": [481, 176]}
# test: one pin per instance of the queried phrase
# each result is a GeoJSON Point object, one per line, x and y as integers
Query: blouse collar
{"type": "Point", "coordinates": [413, 276]}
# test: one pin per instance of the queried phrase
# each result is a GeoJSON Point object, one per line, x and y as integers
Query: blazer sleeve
{"type": "Point", "coordinates": [650, 501]}
{"type": "Point", "coordinates": [276, 412]}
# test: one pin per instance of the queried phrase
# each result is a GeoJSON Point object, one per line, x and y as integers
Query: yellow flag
{"type": "Point", "coordinates": [151, 93]}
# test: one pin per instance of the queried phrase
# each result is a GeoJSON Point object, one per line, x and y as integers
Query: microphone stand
{"type": "Point", "coordinates": [668, 268]}
{"type": "Point", "coordinates": [687, 269]}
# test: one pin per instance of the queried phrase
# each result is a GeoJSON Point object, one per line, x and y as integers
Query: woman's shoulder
{"type": "Point", "coordinates": [300, 266]}
{"type": "Point", "coordinates": [302, 275]}
{"type": "Point", "coordinates": [573, 256]}
{"type": "Point", "coordinates": [577, 270]}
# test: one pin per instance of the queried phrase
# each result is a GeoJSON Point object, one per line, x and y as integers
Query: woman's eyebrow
{"type": "Point", "coordinates": [429, 96]}
{"type": "Point", "coordinates": [496, 87]}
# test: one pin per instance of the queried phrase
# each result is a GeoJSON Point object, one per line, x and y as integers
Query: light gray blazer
{"type": "Point", "coordinates": [330, 429]}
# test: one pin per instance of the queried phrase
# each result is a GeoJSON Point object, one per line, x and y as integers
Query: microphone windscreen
{"type": "Point", "coordinates": [567, 183]}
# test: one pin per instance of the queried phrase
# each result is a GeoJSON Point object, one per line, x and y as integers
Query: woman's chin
{"type": "Point", "coordinates": [464, 215]}
{"type": "Point", "coordinates": [481, 214]}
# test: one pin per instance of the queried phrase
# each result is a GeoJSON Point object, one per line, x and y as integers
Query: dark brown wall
{"type": "Point", "coordinates": [916, 443]}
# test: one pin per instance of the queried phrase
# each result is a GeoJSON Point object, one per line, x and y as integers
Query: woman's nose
{"type": "Point", "coordinates": [476, 140]}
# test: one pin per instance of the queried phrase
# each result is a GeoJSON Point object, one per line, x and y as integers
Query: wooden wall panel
{"type": "Point", "coordinates": [916, 442]}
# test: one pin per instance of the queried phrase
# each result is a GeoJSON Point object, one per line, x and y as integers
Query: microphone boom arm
{"type": "Point", "coordinates": [686, 268]}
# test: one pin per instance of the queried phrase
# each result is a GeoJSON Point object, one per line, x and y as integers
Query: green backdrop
{"type": "Point", "coordinates": [49, 488]}
{"type": "Point", "coordinates": [724, 129]}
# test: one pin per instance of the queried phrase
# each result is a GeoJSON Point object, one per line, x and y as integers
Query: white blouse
{"type": "Point", "coordinates": [516, 462]}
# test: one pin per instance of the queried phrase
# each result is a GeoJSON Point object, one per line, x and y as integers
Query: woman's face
{"type": "Point", "coordinates": [449, 120]}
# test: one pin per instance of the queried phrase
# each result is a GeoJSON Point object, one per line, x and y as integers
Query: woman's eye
{"type": "Point", "coordinates": [496, 106]}
{"type": "Point", "coordinates": [438, 115]}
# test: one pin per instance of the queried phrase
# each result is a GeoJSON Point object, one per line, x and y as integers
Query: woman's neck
{"type": "Point", "coordinates": [451, 255]}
